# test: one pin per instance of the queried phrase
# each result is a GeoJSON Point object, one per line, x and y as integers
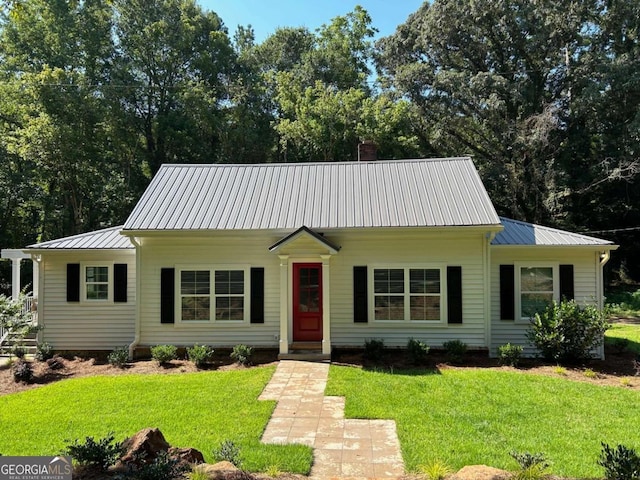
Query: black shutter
{"type": "Point", "coordinates": [120, 282]}
{"type": "Point", "coordinates": [257, 295]}
{"type": "Point", "coordinates": [507, 292]}
{"type": "Point", "coordinates": [360, 299]}
{"type": "Point", "coordinates": [566, 282]}
{"type": "Point", "coordinates": [73, 282]}
{"type": "Point", "coordinates": [167, 296]}
{"type": "Point", "coordinates": [454, 294]}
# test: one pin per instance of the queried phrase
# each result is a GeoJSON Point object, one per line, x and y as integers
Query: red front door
{"type": "Point", "coordinates": [307, 302]}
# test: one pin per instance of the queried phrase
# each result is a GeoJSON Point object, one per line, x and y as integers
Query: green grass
{"type": "Point", "coordinates": [624, 330]}
{"type": "Point", "coordinates": [468, 417]}
{"type": "Point", "coordinates": [623, 302]}
{"type": "Point", "coordinates": [198, 410]}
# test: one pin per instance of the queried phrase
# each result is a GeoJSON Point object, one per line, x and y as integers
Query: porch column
{"type": "Point", "coordinates": [15, 277]}
{"type": "Point", "coordinates": [284, 304]}
{"type": "Point", "coordinates": [36, 276]}
{"type": "Point", "coordinates": [326, 305]}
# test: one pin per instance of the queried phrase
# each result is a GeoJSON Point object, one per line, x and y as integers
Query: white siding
{"type": "Point", "coordinates": [85, 325]}
{"type": "Point", "coordinates": [586, 271]}
{"type": "Point", "coordinates": [362, 247]}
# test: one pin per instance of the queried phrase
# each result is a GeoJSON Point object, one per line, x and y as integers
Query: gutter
{"type": "Point", "coordinates": [136, 337]}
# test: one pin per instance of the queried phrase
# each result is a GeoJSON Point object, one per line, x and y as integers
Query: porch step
{"type": "Point", "coordinates": [306, 352]}
{"type": "Point", "coordinates": [296, 346]}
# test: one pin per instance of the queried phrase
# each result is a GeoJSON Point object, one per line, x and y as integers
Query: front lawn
{"type": "Point", "coordinates": [628, 331]}
{"type": "Point", "coordinates": [475, 416]}
{"type": "Point", "coordinates": [198, 410]}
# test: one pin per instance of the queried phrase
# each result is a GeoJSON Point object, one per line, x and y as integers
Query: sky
{"type": "Point", "coordinates": [267, 15]}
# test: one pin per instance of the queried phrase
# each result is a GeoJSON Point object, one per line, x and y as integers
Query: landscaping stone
{"type": "Point", "coordinates": [217, 471]}
{"type": "Point", "coordinates": [55, 363]}
{"type": "Point", "coordinates": [481, 472]}
{"type": "Point", "coordinates": [186, 455]}
{"type": "Point", "coordinates": [145, 444]}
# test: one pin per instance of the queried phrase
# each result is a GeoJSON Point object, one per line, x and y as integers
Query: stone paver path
{"type": "Point", "coordinates": [342, 447]}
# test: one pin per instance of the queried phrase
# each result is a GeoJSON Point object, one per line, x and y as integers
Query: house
{"type": "Point", "coordinates": [328, 254]}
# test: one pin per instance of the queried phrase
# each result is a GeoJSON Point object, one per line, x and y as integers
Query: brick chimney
{"type": "Point", "coordinates": [367, 151]}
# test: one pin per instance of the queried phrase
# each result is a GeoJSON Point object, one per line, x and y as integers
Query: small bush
{"type": "Point", "coordinates": [418, 351]}
{"type": "Point", "coordinates": [273, 471]}
{"type": "Point", "coordinates": [532, 466]}
{"type": "Point", "coordinates": [566, 332]}
{"type": "Point", "coordinates": [558, 370]}
{"type": "Point", "coordinates": [22, 371]}
{"type": "Point", "coordinates": [510, 354]}
{"type": "Point", "coordinates": [18, 350]}
{"type": "Point", "coordinates": [100, 454]}
{"type": "Point", "coordinates": [589, 373]}
{"type": "Point", "coordinates": [229, 452]}
{"type": "Point", "coordinates": [455, 350]}
{"type": "Point", "coordinates": [163, 467]}
{"type": "Point", "coordinates": [435, 470]}
{"type": "Point", "coordinates": [198, 474]}
{"type": "Point", "coordinates": [199, 354]}
{"type": "Point", "coordinates": [119, 357]}
{"type": "Point", "coordinates": [242, 354]}
{"type": "Point", "coordinates": [374, 349]}
{"type": "Point", "coordinates": [164, 353]}
{"type": "Point", "coordinates": [44, 351]}
{"type": "Point", "coordinates": [619, 463]}
{"type": "Point", "coordinates": [625, 382]}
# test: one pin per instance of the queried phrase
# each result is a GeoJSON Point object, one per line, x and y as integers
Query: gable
{"type": "Point", "coordinates": [406, 193]}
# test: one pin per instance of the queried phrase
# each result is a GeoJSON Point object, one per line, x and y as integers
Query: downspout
{"type": "Point", "coordinates": [604, 258]}
{"type": "Point", "coordinates": [489, 236]}
{"type": "Point", "coordinates": [136, 337]}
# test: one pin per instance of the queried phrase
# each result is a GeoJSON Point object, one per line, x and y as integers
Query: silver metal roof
{"type": "Point", "coordinates": [405, 193]}
{"type": "Point", "coordinates": [523, 233]}
{"type": "Point", "coordinates": [107, 239]}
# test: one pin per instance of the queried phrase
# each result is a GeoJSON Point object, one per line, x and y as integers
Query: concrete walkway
{"type": "Point", "coordinates": [342, 448]}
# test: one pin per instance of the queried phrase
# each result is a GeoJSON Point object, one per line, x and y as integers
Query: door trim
{"type": "Point", "coordinates": [298, 317]}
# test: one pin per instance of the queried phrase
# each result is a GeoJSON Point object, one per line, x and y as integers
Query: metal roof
{"type": "Point", "coordinates": [523, 233]}
{"type": "Point", "coordinates": [401, 193]}
{"type": "Point", "coordinates": [107, 239]}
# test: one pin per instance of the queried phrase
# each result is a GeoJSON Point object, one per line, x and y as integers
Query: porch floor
{"type": "Point", "coordinates": [342, 447]}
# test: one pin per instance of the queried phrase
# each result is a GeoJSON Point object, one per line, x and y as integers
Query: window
{"type": "Point", "coordinates": [212, 295]}
{"type": "Point", "coordinates": [96, 282]}
{"type": "Point", "coordinates": [195, 298]}
{"type": "Point", "coordinates": [407, 294]}
{"type": "Point", "coordinates": [538, 287]}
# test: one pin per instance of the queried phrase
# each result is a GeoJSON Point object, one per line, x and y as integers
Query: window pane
{"type": "Point", "coordinates": [536, 279]}
{"type": "Point", "coordinates": [229, 282]}
{"type": "Point", "coordinates": [389, 307]}
{"type": "Point", "coordinates": [194, 282]}
{"type": "Point", "coordinates": [195, 308]}
{"type": "Point", "coordinates": [532, 303]}
{"type": "Point", "coordinates": [424, 281]}
{"type": "Point", "coordinates": [425, 308]}
{"type": "Point", "coordinates": [97, 274]}
{"type": "Point", "coordinates": [97, 291]}
{"type": "Point", "coordinates": [388, 280]}
{"type": "Point", "coordinates": [229, 308]}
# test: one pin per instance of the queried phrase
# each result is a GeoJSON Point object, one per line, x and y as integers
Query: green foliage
{"type": "Point", "coordinates": [619, 463]}
{"type": "Point", "coordinates": [589, 373]}
{"type": "Point", "coordinates": [418, 351]}
{"type": "Point", "coordinates": [199, 354]}
{"type": "Point", "coordinates": [162, 467]}
{"type": "Point", "coordinates": [566, 332]}
{"type": "Point", "coordinates": [119, 357]}
{"type": "Point", "coordinates": [22, 371]}
{"type": "Point", "coordinates": [44, 351]}
{"type": "Point", "coordinates": [374, 349]}
{"type": "Point", "coordinates": [229, 452]}
{"type": "Point", "coordinates": [510, 354]}
{"type": "Point", "coordinates": [526, 460]}
{"type": "Point", "coordinates": [242, 354]}
{"type": "Point", "coordinates": [102, 453]}
{"type": "Point", "coordinates": [16, 321]}
{"type": "Point", "coordinates": [435, 470]}
{"type": "Point", "coordinates": [623, 303]}
{"type": "Point", "coordinates": [164, 353]}
{"type": "Point", "coordinates": [197, 474]}
{"type": "Point", "coordinates": [455, 350]}
{"type": "Point", "coordinates": [18, 350]}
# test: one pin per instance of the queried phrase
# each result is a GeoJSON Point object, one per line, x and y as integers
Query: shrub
{"type": "Point", "coordinates": [532, 466]}
{"type": "Point", "coordinates": [455, 350]}
{"type": "Point", "coordinates": [418, 351]}
{"type": "Point", "coordinates": [163, 467]}
{"type": "Point", "coordinates": [44, 351]}
{"type": "Point", "coordinates": [119, 357]}
{"type": "Point", "coordinates": [22, 371]}
{"type": "Point", "coordinates": [374, 349]}
{"type": "Point", "coordinates": [101, 454]}
{"type": "Point", "coordinates": [242, 354]}
{"type": "Point", "coordinates": [435, 470]}
{"type": "Point", "coordinates": [589, 373]}
{"type": "Point", "coordinates": [619, 463]}
{"type": "Point", "coordinates": [620, 345]}
{"type": "Point", "coordinates": [163, 353]}
{"type": "Point", "coordinates": [510, 354]}
{"type": "Point", "coordinates": [566, 332]}
{"type": "Point", "coordinates": [229, 452]}
{"type": "Point", "coordinates": [199, 354]}
{"type": "Point", "coordinates": [18, 350]}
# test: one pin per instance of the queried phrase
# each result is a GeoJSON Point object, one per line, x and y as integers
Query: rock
{"type": "Point", "coordinates": [144, 446]}
{"type": "Point", "coordinates": [186, 455]}
{"type": "Point", "coordinates": [217, 471]}
{"type": "Point", "coordinates": [55, 363]}
{"type": "Point", "coordinates": [480, 472]}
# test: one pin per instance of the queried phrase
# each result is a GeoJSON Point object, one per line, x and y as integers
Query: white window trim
{"type": "Point", "coordinates": [407, 293]}
{"type": "Point", "coordinates": [83, 282]}
{"type": "Point", "coordinates": [212, 295]}
{"type": "Point", "coordinates": [518, 300]}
